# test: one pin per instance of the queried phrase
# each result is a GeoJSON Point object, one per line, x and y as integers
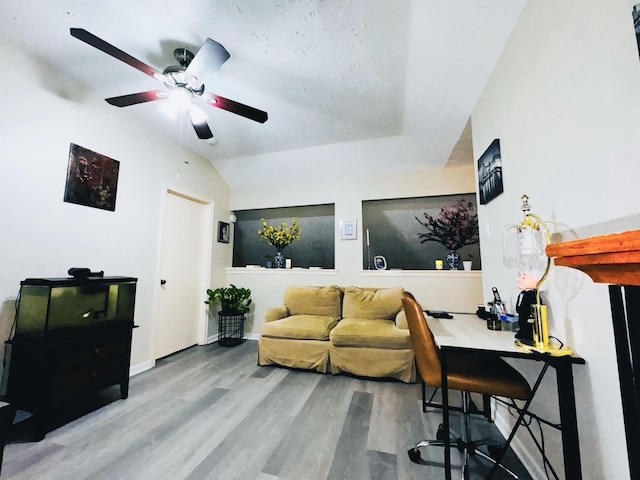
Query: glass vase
{"type": "Point", "coordinates": [279, 260]}
{"type": "Point", "coordinates": [453, 260]}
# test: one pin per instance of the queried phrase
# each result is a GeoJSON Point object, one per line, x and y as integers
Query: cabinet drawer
{"type": "Point", "coordinates": [80, 354]}
{"type": "Point", "coordinates": [88, 378]}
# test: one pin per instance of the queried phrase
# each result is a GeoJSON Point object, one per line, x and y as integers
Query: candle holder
{"type": "Point", "coordinates": [368, 252]}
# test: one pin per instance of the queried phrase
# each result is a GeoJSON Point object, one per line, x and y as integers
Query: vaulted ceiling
{"type": "Point", "coordinates": [326, 71]}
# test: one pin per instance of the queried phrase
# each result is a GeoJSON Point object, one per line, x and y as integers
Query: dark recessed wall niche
{"type": "Point", "coordinates": [393, 232]}
{"type": "Point", "coordinates": [316, 247]}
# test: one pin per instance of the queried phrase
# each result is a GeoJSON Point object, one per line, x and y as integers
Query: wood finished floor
{"type": "Point", "coordinates": [210, 412]}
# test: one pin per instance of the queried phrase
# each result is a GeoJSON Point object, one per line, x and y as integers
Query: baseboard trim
{"type": "Point", "coordinates": [148, 365]}
{"type": "Point", "coordinates": [247, 336]}
{"type": "Point", "coordinates": [141, 367]}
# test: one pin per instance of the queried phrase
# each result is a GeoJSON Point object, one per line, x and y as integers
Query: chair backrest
{"type": "Point", "coordinates": [424, 346]}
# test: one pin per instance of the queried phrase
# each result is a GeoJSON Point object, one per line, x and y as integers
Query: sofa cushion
{"type": "Point", "coordinates": [300, 327]}
{"type": "Point", "coordinates": [325, 301]}
{"type": "Point", "coordinates": [381, 304]}
{"type": "Point", "coordinates": [359, 332]}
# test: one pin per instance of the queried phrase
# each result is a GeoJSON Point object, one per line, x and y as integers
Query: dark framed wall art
{"type": "Point", "coordinates": [490, 173]}
{"type": "Point", "coordinates": [92, 179]}
{"type": "Point", "coordinates": [223, 232]}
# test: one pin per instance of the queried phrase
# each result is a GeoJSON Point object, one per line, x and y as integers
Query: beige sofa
{"type": "Point", "coordinates": [361, 331]}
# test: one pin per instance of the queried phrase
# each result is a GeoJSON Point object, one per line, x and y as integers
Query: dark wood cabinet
{"type": "Point", "coordinates": [70, 343]}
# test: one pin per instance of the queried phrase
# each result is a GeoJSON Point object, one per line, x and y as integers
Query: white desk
{"type": "Point", "coordinates": [469, 332]}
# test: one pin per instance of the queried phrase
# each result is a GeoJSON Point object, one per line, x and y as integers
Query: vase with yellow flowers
{"type": "Point", "coordinates": [280, 237]}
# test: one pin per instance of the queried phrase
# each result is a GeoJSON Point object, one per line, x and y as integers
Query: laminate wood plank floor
{"type": "Point", "coordinates": [211, 412]}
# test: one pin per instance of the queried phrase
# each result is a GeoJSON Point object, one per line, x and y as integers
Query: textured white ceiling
{"type": "Point", "coordinates": [326, 71]}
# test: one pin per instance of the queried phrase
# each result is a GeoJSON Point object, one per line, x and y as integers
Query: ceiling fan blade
{"type": "Point", "coordinates": [199, 122]}
{"type": "Point", "coordinates": [135, 98]}
{"type": "Point", "coordinates": [91, 39]}
{"type": "Point", "coordinates": [208, 59]}
{"type": "Point", "coordinates": [236, 107]}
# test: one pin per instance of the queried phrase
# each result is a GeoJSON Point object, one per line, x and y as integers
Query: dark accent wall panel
{"type": "Point", "coordinates": [316, 247]}
{"type": "Point", "coordinates": [393, 232]}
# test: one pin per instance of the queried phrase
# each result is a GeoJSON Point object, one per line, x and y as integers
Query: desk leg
{"type": "Point", "coordinates": [445, 415]}
{"type": "Point", "coordinates": [568, 420]}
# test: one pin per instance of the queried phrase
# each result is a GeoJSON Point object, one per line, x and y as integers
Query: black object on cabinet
{"type": "Point", "coordinates": [72, 337]}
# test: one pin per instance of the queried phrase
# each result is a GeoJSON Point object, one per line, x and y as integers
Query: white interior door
{"type": "Point", "coordinates": [184, 264]}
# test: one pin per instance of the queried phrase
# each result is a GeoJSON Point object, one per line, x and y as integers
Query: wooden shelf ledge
{"type": "Point", "coordinates": [613, 258]}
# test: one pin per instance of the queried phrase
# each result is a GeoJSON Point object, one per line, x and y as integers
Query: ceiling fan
{"type": "Point", "coordinates": [183, 80]}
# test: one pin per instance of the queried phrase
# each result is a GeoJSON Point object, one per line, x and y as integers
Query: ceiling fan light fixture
{"type": "Point", "coordinates": [179, 100]}
{"type": "Point", "coordinates": [182, 82]}
{"type": "Point", "coordinates": [196, 114]}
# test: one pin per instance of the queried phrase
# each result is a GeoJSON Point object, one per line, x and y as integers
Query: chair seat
{"type": "Point", "coordinates": [474, 372]}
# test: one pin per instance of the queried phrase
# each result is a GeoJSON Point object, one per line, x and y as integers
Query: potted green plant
{"type": "Point", "coordinates": [233, 300]}
{"type": "Point", "coordinates": [234, 303]}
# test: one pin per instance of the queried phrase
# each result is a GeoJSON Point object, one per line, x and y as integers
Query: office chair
{"type": "Point", "coordinates": [467, 372]}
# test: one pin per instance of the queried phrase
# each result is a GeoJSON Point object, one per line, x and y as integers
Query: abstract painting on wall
{"type": "Point", "coordinates": [490, 173]}
{"type": "Point", "coordinates": [92, 179]}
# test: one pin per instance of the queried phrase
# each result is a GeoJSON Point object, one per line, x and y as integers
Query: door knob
{"type": "Point", "coordinates": [162, 281]}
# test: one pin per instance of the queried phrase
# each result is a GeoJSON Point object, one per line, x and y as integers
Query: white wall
{"type": "Point", "coordinates": [42, 236]}
{"type": "Point", "coordinates": [564, 100]}
{"type": "Point", "coordinates": [347, 191]}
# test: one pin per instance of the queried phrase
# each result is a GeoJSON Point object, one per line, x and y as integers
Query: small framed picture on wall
{"type": "Point", "coordinates": [223, 232]}
{"type": "Point", "coordinates": [348, 230]}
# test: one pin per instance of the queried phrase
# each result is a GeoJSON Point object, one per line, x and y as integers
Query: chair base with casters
{"type": "Point", "coordinates": [464, 444]}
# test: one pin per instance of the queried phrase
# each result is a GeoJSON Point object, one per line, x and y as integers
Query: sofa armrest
{"type": "Point", "coordinates": [276, 313]}
{"type": "Point", "coordinates": [401, 320]}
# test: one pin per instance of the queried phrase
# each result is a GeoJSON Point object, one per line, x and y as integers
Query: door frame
{"type": "Point", "coordinates": [205, 271]}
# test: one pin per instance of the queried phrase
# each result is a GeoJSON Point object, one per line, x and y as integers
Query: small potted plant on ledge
{"type": "Point", "coordinates": [234, 303]}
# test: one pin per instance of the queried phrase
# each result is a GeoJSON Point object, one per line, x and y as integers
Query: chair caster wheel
{"type": "Point", "coordinates": [414, 455]}
{"type": "Point", "coordinates": [440, 433]}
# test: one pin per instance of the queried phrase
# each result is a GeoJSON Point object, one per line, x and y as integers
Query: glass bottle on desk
{"type": "Point", "coordinates": [497, 309]}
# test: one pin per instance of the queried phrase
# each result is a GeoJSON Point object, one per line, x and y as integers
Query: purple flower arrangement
{"type": "Point", "coordinates": [455, 227]}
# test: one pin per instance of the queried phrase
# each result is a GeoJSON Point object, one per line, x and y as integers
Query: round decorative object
{"type": "Point", "coordinates": [380, 262]}
{"type": "Point", "coordinates": [279, 260]}
{"type": "Point", "coordinates": [453, 260]}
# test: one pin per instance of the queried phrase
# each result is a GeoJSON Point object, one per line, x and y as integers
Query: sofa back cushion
{"type": "Point", "coordinates": [325, 301]}
{"type": "Point", "coordinates": [376, 304]}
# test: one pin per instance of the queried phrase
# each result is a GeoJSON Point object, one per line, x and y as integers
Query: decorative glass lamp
{"type": "Point", "coordinates": [524, 249]}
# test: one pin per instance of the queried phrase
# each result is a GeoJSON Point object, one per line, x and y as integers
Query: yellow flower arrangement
{"type": "Point", "coordinates": [280, 236]}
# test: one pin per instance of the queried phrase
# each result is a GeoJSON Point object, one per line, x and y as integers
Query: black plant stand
{"type": "Point", "coordinates": [230, 329]}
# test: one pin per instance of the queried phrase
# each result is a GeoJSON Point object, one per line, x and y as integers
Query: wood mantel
{"type": "Point", "coordinates": [613, 259]}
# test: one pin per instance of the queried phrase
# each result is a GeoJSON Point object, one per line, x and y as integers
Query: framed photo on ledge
{"type": "Point", "coordinates": [223, 232]}
{"type": "Point", "coordinates": [348, 230]}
